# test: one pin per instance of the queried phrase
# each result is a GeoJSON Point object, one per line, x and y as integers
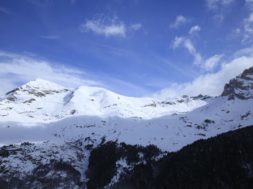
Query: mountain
{"type": "Point", "coordinates": [52, 131]}
{"type": "Point", "coordinates": [44, 101]}
{"type": "Point", "coordinates": [224, 161]}
{"type": "Point", "coordinates": [241, 87]}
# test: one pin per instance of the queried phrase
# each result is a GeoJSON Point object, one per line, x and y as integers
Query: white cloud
{"type": "Point", "coordinates": [245, 31]}
{"type": "Point", "coordinates": [217, 4]}
{"type": "Point", "coordinates": [194, 29]}
{"type": "Point", "coordinates": [109, 27]}
{"type": "Point", "coordinates": [212, 62]}
{"type": "Point", "coordinates": [249, 4]}
{"type": "Point", "coordinates": [248, 29]}
{"type": "Point", "coordinates": [218, 7]}
{"type": "Point", "coordinates": [188, 45]}
{"type": "Point", "coordinates": [244, 52]}
{"type": "Point", "coordinates": [18, 69]}
{"type": "Point", "coordinates": [113, 27]}
{"type": "Point", "coordinates": [179, 21]}
{"type": "Point", "coordinates": [206, 64]}
{"type": "Point", "coordinates": [212, 83]}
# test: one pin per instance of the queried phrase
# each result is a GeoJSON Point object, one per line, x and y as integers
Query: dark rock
{"type": "Point", "coordinates": [240, 87]}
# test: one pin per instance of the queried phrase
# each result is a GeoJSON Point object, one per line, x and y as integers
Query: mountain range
{"type": "Point", "coordinates": [44, 125]}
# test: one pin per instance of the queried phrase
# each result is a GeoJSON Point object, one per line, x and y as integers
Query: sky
{"type": "Point", "coordinates": [132, 47]}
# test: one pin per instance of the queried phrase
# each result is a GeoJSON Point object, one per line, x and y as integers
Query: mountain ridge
{"type": "Point", "coordinates": [97, 113]}
{"type": "Point", "coordinates": [87, 100]}
{"type": "Point", "coordinates": [240, 87]}
{"type": "Point", "coordinates": [53, 136]}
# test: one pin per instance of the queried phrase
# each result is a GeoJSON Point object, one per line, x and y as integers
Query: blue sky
{"type": "Point", "coordinates": [134, 47]}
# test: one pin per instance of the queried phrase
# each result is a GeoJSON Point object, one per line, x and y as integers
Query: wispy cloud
{"type": "Point", "coordinates": [206, 64]}
{"type": "Point", "coordinates": [249, 4]}
{"type": "Point", "coordinates": [245, 30]}
{"type": "Point", "coordinates": [212, 83]}
{"type": "Point", "coordinates": [23, 68]}
{"type": "Point", "coordinates": [17, 69]}
{"type": "Point", "coordinates": [218, 7]}
{"type": "Point", "coordinates": [188, 45]}
{"type": "Point", "coordinates": [212, 61]}
{"type": "Point", "coordinates": [248, 29]}
{"type": "Point", "coordinates": [194, 29]}
{"type": "Point", "coordinates": [100, 27]}
{"type": "Point", "coordinates": [109, 27]}
{"type": "Point", "coordinates": [179, 21]}
{"type": "Point", "coordinates": [218, 4]}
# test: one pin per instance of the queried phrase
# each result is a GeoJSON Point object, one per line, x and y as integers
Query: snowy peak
{"type": "Point", "coordinates": [241, 87]}
{"type": "Point", "coordinates": [36, 88]}
{"type": "Point", "coordinates": [44, 101]}
{"type": "Point", "coordinates": [42, 85]}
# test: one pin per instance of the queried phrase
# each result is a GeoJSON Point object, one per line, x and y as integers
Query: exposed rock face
{"type": "Point", "coordinates": [34, 89]}
{"type": "Point", "coordinates": [241, 87]}
{"type": "Point", "coordinates": [63, 166]}
{"type": "Point", "coordinates": [42, 166]}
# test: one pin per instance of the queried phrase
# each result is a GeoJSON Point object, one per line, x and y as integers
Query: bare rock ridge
{"type": "Point", "coordinates": [240, 87]}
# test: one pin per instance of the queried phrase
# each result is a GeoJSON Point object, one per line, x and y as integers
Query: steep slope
{"type": "Point", "coordinates": [36, 101]}
{"type": "Point", "coordinates": [225, 161]}
{"type": "Point", "coordinates": [240, 87]}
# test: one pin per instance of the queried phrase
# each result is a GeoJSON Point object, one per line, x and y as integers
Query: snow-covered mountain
{"type": "Point", "coordinates": [241, 87]}
{"type": "Point", "coordinates": [64, 126]}
{"type": "Point", "coordinates": [95, 112]}
{"type": "Point", "coordinates": [44, 101]}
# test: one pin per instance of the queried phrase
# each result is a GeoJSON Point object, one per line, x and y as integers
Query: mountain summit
{"type": "Point", "coordinates": [44, 101]}
{"type": "Point", "coordinates": [240, 87]}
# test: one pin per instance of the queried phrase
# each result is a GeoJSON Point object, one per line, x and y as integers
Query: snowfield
{"type": "Point", "coordinates": [170, 133]}
{"type": "Point", "coordinates": [44, 111]}
{"type": "Point", "coordinates": [48, 132]}
{"type": "Point", "coordinates": [43, 101]}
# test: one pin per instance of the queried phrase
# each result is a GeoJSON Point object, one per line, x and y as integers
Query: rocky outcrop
{"type": "Point", "coordinates": [241, 87]}
{"type": "Point", "coordinates": [42, 166]}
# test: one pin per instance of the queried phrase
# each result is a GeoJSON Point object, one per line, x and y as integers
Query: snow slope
{"type": "Point", "coordinates": [57, 114]}
{"type": "Point", "coordinates": [65, 124]}
{"type": "Point", "coordinates": [42, 101]}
